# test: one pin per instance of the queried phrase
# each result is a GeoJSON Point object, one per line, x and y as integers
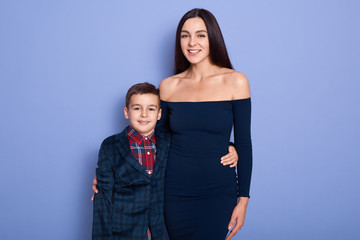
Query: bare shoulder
{"type": "Point", "coordinates": [168, 86]}
{"type": "Point", "coordinates": [238, 84]}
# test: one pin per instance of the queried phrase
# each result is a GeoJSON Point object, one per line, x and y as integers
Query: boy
{"type": "Point", "coordinates": [130, 173]}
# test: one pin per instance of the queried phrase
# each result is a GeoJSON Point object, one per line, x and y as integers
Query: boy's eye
{"type": "Point", "coordinates": [136, 108]}
{"type": "Point", "coordinates": [152, 109]}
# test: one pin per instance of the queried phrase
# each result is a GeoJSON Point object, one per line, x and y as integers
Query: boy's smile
{"type": "Point", "coordinates": [143, 113]}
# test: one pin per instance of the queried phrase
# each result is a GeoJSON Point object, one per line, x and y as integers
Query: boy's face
{"type": "Point", "coordinates": [143, 112]}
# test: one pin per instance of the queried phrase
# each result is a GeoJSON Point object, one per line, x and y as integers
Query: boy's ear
{"type": "Point", "coordinates": [159, 115]}
{"type": "Point", "coordinates": [126, 113]}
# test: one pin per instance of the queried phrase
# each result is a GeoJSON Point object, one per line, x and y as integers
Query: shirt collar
{"type": "Point", "coordinates": [138, 138]}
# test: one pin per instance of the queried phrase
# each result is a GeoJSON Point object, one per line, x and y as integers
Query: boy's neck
{"type": "Point", "coordinates": [152, 132]}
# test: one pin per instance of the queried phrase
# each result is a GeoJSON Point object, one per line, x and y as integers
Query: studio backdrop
{"type": "Point", "coordinates": [65, 67]}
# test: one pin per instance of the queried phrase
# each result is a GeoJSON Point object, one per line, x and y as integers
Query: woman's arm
{"type": "Point", "coordinates": [164, 90]}
{"type": "Point", "coordinates": [163, 123]}
{"type": "Point", "coordinates": [243, 145]}
{"type": "Point", "coordinates": [238, 216]}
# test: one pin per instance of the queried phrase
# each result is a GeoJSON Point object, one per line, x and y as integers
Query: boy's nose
{"type": "Point", "coordinates": [143, 113]}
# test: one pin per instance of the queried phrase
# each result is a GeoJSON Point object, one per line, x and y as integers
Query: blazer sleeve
{"type": "Point", "coordinates": [103, 201]}
{"type": "Point", "coordinates": [243, 145]}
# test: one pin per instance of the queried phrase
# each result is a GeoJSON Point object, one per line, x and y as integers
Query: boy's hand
{"type": "Point", "coordinates": [94, 188]}
{"type": "Point", "coordinates": [231, 158]}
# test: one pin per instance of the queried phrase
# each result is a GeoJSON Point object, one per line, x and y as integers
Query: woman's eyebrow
{"type": "Point", "coordinates": [198, 31]}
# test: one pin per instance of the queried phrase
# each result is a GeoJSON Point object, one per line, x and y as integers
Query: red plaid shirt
{"type": "Point", "coordinates": [144, 150]}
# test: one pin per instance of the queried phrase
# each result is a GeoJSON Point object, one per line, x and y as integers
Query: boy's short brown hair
{"type": "Point", "coordinates": [141, 88]}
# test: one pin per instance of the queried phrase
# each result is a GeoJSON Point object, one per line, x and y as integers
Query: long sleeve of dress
{"type": "Point", "coordinates": [103, 201]}
{"type": "Point", "coordinates": [243, 145]}
{"type": "Point", "coordinates": [163, 123]}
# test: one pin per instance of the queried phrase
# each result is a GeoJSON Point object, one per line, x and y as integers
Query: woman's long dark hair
{"type": "Point", "coordinates": [218, 52]}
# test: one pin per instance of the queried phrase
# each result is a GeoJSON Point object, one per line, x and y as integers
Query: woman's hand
{"type": "Point", "coordinates": [231, 158]}
{"type": "Point", "coordinates": [238, 216]}
{"type": "Point", "coordinates": [94, 188]}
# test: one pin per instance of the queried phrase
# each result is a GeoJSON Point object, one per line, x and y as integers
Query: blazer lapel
{"type": "Point", "coordinates": [162, 144]}
{"type": "Point", "coordinates": [124, 148]}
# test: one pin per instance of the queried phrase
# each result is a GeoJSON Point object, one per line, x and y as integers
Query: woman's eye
{"type": "Point", "coordinates": [184, 36]}
{"type": "Point", "coordinates": [202, 35]}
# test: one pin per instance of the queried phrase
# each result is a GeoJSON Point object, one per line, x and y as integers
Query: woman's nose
{"type": "Point", "coordinates": [192, 41]}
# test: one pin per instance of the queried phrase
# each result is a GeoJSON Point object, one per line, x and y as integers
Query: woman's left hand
{"type": "Point", "coordinates": [231, 158]}
{"type": "Point", "coordinates": [238, 216]}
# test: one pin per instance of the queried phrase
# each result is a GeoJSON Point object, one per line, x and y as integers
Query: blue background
{"type": "Point", "coordinates": [65, 67]}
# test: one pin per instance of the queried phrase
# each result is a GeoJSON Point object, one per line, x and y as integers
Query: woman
{"type": "Point", "coordinates": [199, 106]}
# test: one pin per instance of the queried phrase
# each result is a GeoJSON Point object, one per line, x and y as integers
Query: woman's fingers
{"type": "Point", "coordinates": [231, 224]}
{"type": "Point", "coordinates": [94, 189]}
{"type": "Point", "coordinates": [232, 221]}
{"type": "Point", "coordinates": [235, 230]}
{"type": "Point", "coordinates": [238, 216]}
{"type": "Point", "coordinates": [94, 186]}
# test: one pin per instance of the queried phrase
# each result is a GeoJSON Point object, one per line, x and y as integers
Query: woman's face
{"type": "Point", "coordinates": [194, 40]}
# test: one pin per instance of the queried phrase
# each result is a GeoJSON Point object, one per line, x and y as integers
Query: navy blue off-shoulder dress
{"type": "Point", "coordinates": [201, 193]}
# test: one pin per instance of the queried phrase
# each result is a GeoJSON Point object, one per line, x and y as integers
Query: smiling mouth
{"type": "Point", "coordinates": [194, 51]}
{"type": "Point", "coordinates": [144, 122]}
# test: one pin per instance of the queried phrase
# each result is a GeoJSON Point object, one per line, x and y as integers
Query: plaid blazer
{"type": "Point", "coordinates": [129, 200]}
